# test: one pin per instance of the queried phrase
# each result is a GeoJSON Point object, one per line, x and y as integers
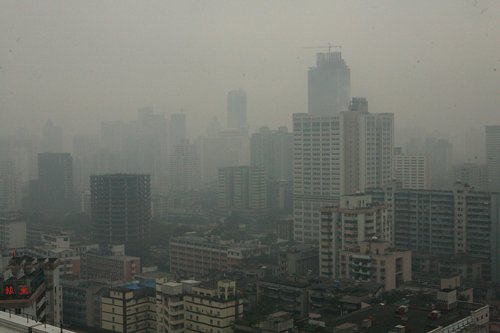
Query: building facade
{"type": "Point", "coordinates": [446, 222]}
{"type": "Point", "coordinates": [412, 171]}
{"type": "Point", "coordinates": [237, 110]}
{"type": "Point", "coordinates": [241, 188]}
{"type": "Point", "coordinates": [357, 218]}
{"type": "Point", "coordinates": [493, 156]}
{"type": "Point", "coordinates": [121, 211]}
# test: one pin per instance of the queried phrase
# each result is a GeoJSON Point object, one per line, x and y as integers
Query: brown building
{"type": "Point", "coordinates": [110, 267]}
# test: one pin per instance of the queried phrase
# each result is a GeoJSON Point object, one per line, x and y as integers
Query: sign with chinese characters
{"type": "Point", "coordinates": [12, 290]}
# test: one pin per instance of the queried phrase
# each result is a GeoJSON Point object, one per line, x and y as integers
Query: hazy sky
{"type": "Point", "coordinates": [432, 63]}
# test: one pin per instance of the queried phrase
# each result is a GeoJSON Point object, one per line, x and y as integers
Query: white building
{"type": "Point", "coordinates": [335, 156]}
{"type": "Point", "coordinates": [316, 171]}
{"type": "Point", "coordinates": [185, 172]}
{"type": "Point", "coordinates": [412, 171]}
{"type": "Point", "coordinates": [241, 188]}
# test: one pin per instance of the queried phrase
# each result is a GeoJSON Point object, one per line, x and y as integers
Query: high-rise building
{"type": "Point", "coordinates": [185, 173]}
{"type": "Point", "coordinates": [12, 231]}
{"type": "Point", "coordinates": [329, 84]}
{"type": "Point", "coordinates": [335, 156]}
{"type": "Point", "coordinates": [272, 150]}
{"type": "Point", "coordinates": [446, 222]}
{"type": "Point", "coordinates": [237, 110]}
{"type": "Point", "coordinates": [493, 156]}
{"type": "Point", "coordinates": [121, 210]}
{"type": "Point", "coordinates": [9, 200]}
{"type": "Point", "coordinates": [316, 171]}
{"type": "Point", "coordinates": [367, 147]}
{"type": "Point", "coordinates": [412, 171]}
{"type": "Point", "coordinates": [241, 188]}
{"type": "Point", "coordinates": [53, 191]}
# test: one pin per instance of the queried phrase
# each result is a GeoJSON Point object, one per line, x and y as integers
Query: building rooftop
{"type": "Point", "coordinates": [384, 318]}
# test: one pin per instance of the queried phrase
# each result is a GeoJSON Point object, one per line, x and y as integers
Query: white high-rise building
{"type": "Point", "coordinates": [367, 147]}
{"type": "Point", "coordinates": [185, 173]}
{"type": "Point", "coordinates": [335, 156]}
{"type": "Point", "coordinates": [493, 156]}
{"type": "Point", "coordinates": [316, 171]}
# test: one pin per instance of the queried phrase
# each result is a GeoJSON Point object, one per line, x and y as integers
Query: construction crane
{"type": "Point", "coordinates": [329, 47]}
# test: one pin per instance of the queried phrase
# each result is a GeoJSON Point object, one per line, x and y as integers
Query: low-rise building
{"type": "Point", "coordinates": [129, 308]}
{"type": "Point", "coordinates": [288, 295]}
{"type": "Point", "coordinates": [111, 268]}
{"type": "Point", "coordinates": [30, 287]}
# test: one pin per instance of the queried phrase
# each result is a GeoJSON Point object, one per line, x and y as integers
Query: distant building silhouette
{"type": "Point", "coordinates": [53, 193]}
{"type": "Point", "coordinates": [237, 109]}
{"type": "Point", "coordinates": [329, 84]}
{"type": "Point", "coordinates": [493, 156]}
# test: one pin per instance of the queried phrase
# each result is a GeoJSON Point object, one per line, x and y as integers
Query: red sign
{"type": "Point", "coordinates": [23, 290]}
{"type": "Point", "coordinates": [8, 290]}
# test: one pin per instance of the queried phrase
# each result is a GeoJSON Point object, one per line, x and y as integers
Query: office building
{"type": "Point", "coordinates": [241, 188]}
{"type": "Point", "coordinates": [355, 219]}
{"type": "Point", "coordinates": [185, 170]}
{"type": "Point", "coordinates": [54, 191]}
{"type": "Point", "coordinates": [329, 85]}
{"type": "Point", "coordinates": [476, 175]}
{"type": "Point", "coordinates": [412, 171]}
{"type": "Point", "coordinates": [237, 110]}
{"type": "Point", "coordinates": [121, 211]}
{"type": "Point", "coordinates": [446, 222]}
{"type": "Point", "coordinates": [493, 156]}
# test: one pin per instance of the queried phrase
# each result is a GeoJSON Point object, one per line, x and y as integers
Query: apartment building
{"type": "Point", "coordinates": [412, 171]}
{"type": "Point", "coordinates": [375, 261]}
{"type": "Point", "coordinates": [112, 268]}
{"type": "Point", "coordinates": [241, 188]}
{"type": "Point", "coordinates": [198, 256]}
{"type": "Point", "coordinates": [12, 231]}
{"type": "Point", "coordinates": [212, 307]}
{"type": "Point", "coordinates": [129, 308]}
{"type": "Point", "coordinates": [446, 222]}
{"type": "Point", "coordinates": [355, 219]}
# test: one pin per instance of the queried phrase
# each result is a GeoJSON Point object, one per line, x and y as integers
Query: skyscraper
{"type": "Point", "coordinates": [184, 172]}
{"type": "Point", "coordinates": [54, 193]}
{"type": "Point", "coordinates": [237, 109]}
{"type": "Point", "coordinates": [329, 85]}
{"type": "Point", "coordinates": [121, 210]}
{"type": "Point", "coordinates": [178, 128]}
{"type": "Point", "coordinates": [493, 156]}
